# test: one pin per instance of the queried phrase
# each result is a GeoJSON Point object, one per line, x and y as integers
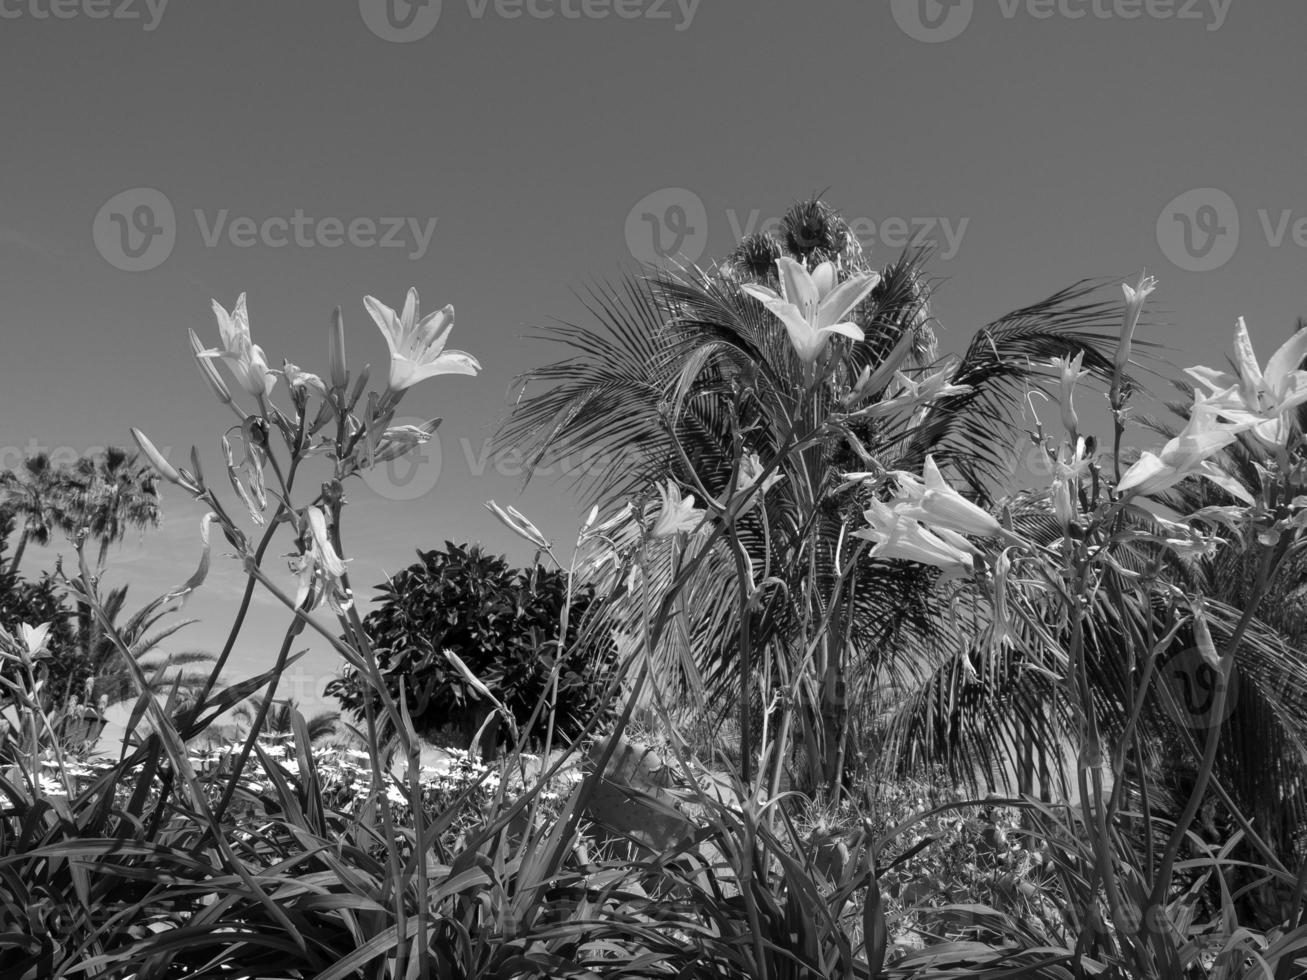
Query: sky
{"type": "Point", "coordinates": [502, 155]}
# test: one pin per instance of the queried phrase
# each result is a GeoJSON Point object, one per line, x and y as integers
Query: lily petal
{"type": "Point", "coordinates": [798, 287]}
{"type": "Point", "coordinates": [845, 297]}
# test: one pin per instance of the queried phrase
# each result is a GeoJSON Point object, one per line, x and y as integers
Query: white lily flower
{"type": "Point", "coordinates": [417, 347]}
{"type": "Point", "coordinates": [811, 306]}
{"type": "Point", "coordinates": [938, 506]}
{"type": "Point", "coordinates": [911, 394]}
{"type": "Point", "coordinates": [1255, 399]}
{"type": "Point", "coordinates": [319, 568]}
{"type": "Point", "coordinates": [1069, 375]}
{"type": "Point", "coordinates": [898, 536]}
{"type": "Point", "coordinates": [34, 637]}
{"type": "Point", "coordinates": [674, 513]}
{"type": "Point", "coordinates": [751, 470]}
{"type": "Point", "coordinates": [1188, 454]}
{"type": "Point", "coordinates": [297, 379]}
{"type": "Point", "coordinates": [246, 359]}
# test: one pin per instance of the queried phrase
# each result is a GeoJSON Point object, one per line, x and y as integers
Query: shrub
{"type": "Point", "coordinates": [503, 623]}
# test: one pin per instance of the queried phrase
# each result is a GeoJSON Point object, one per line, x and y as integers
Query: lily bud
{"type": "Point", "coordinates": [869, 382]}
{"type": "Point", "coordinates": [360, 385]}
{"type": "Point", "coordinates": [1063, 509]}
{"type": "Point", "coordinates": [164, 468]}
{"type": "Point", "coordinates": [212, 377]}
{"type": "Point", "coordinates": [336, 351]}
{"type": "Point", "coordinates": [1203, 639]}
{"type": "Point", "coordinates": [519, 525]}
{"type": "Point", "coordinates": [1134, 302]}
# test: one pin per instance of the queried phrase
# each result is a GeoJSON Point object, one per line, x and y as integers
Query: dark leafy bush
{"type": "Point", "coordinates": [502, 622]}
{"type": "Point", "coordinates": [37, 601]}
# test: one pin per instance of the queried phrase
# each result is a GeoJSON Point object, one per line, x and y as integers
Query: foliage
{"type": "Point", "coordinates": [682, 375]}
{"type": "Point", "coordinates": [1065, 608]}
{"type": "Point", "coordinates": [279, 720]}
{"type": "Point", "coordinates": [41, 601]}
{"type": "Point", "coordinates": [503, 624]}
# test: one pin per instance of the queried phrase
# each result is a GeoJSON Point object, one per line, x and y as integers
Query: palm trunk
{"type": "Point", "coordinates": [833, 711]}
{"type": "Point", "coordinates": [18, 551]}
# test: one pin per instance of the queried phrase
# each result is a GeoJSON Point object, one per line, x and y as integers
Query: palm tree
{"type": "Point", "coordinates": [94, 668]}
{"type": "Point", "coordinates": [683, 373]}
{"type": "Point", "coordinates": [110, 493]}
{"type": "Point", "coordinates": [37, 495]}
{"type": "Point", "coordinates": [280, 718]}
{"type": "Point", "coordinates": [105, 495]}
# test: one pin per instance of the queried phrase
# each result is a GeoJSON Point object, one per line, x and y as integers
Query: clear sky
{"type": "Point", "coordinates": [266, 147]}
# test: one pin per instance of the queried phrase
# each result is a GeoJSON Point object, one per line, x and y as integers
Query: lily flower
{"type": "Point", "coordinates": [319, 568]}
{"type": "Point", "coordinates": [1069, 374]}
{"type": "Point", "coordinates": [297, 379]}
{"type": "Point", "coordinates": [34, 637]}
{"type": "Point", "coordinates": [1068, 470]}
{"type": "Point", "coordinates": [937, 505]}
{"type": "Point", "coordinates": [246, 359]}
{"type": "Point", "coordinates": [1188, 454]}
{"type": "Point", "coordinates": [917, 394]}
{"type": "Point", "coordinates": [751, 470]}
{"type": "Point", "coordinates": [897, 536]}
{"type": "Point", "coordinates": [811, 306]}
{"type": "Point", "coordinates": [1260, 400]}
{"type": "Point", "coordinates": [674, 513]}
{"type": "Point", "coordinates": [417, 347]}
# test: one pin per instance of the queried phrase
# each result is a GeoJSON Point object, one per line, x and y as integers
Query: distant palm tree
{"type": "Point", "coordinates": [110, 493]}
{"type": "Point", "coordinates": [36, 494]}
{"type": "Point", "coordinates": [279, 720]}
{"type": "Point", "coordinates": [105, 495]}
